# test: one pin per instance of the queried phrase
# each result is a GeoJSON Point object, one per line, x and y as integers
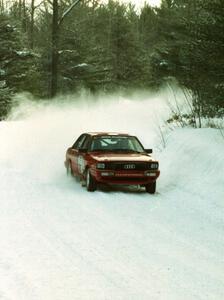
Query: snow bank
{"type": "Point", "coordinates": [194, 160]}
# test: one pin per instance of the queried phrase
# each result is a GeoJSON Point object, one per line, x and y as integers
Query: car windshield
{"type": "Point", "coordinates": [116, 144]}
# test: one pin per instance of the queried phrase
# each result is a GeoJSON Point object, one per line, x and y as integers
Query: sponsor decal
{"type": "Point", "coordinates": [81, 164]}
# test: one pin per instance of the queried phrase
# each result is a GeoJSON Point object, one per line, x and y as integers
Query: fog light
{"type": "Point", "coordinates": [150, 174]}
{"type": "Point", "coordinates": [107, 173]}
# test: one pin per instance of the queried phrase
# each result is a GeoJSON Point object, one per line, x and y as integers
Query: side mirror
{"type": "Point", "coordinates": [148, 151]}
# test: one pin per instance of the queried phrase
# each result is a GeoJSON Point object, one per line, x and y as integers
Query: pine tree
{"type": "Point", "coordinates": [15, 63]}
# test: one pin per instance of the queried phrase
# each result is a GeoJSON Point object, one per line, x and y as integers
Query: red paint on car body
{"type": "Point", "coordinates": [109, 164]}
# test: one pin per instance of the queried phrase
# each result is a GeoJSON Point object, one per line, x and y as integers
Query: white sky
{"type": "Point", "coordinates": [138, 3]}
{"type": "Point", "coordinates": [141, 2]}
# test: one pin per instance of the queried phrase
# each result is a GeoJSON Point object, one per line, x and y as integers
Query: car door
{"type": "Point", "coordinates": [74, 153]}
{"type": "Point", "coordinates": [82, 155]}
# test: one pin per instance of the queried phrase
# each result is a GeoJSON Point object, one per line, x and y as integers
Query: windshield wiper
{"type": "Point", "coordinates": [100, 150]}
{"type": "Point", "coordinates": [116, 150]}
{"type": "Point", "coordinates": [126, 150]}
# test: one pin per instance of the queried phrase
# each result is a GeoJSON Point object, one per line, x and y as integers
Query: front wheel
{"type": "Point", "coordinates": [91, 184]}
{"type": "Point", "coordinates": [151, 188]}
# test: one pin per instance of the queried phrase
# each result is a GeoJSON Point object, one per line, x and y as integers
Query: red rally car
{"type": "Point", "coordinates": [112, 158]}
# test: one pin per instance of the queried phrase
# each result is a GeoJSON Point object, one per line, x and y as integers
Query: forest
{"type": "Point", "coordinates": [59, 47]}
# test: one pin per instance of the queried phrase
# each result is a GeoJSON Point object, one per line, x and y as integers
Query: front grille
{"type": "Point", "coordinates": [138, 166]}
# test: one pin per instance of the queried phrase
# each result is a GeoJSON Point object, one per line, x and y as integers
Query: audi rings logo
{"type": "Point", "coordinates": [129, 167]}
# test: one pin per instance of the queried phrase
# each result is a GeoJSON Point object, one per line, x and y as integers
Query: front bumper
{"type": "Point", "coordinates": [125, 177]}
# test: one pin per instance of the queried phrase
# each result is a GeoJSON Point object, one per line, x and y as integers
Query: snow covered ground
{"type": "Point", "coordinates": [60, 242]}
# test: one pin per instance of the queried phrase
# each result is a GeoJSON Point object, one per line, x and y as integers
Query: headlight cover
{"type": "Point", "coordinates": [154, 166]}
{"type": "Point", "coordinates": [100, 166]}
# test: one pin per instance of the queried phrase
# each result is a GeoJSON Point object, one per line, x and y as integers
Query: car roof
{"type": "Point", "coordinates": [107, 133]}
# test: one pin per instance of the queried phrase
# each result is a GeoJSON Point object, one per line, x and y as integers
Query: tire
{"type": "Point", "coordinates": [91, 184]}
{"type": "Point", "coordinates": [151, 188]}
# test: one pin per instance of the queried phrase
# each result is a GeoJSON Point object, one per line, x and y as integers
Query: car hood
{"type": "Point", "coordinates": [139, 157]}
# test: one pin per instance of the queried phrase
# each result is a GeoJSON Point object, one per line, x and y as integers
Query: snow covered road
{"type": "Point", "coordinates": [60, 242]}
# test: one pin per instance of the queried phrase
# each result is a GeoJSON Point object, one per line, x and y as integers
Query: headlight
{"type": "Point", "coordinates": [100, 166]}
{"type": "Point", "coordinates": [154, 165]}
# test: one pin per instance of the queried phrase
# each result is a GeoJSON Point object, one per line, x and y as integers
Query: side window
{"type": "Point", "coordinates": [131, 145]}
{"type": "Point", "coordinates": [86, 142]}
{"type": "Point", "coordinates": [79, 141]}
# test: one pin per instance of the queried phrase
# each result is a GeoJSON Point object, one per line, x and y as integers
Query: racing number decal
{"type": "Point", "coordinates": [81, 164]}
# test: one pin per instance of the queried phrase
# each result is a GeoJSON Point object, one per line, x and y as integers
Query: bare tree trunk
{"type": "Point", "coordinates": [2, 7]}
{"type": "Point", "coordinates": [54, 60]}
{"type": "Point", "coordinates": [56, 23]}
{"type": "Point", "coordinates": [32, 23]}
{"type": "Point", "coordinates": [24, 15]}
{"type": "Point", "coordinates": [199, 108]}
{"type": "Point", "coordinates": [20, 9]}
